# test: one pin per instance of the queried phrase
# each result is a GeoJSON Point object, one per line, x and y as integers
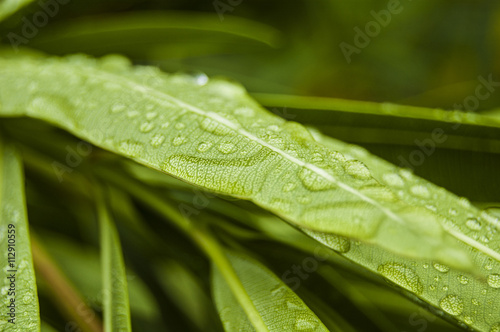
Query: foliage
{"type": "Point", "coordinates": [210, 212]}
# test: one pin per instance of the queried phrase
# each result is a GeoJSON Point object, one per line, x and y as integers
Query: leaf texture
{"type": "Point", "coordinates": [470, 298]}
{"type": "Point", "coordinates": [115, 290]}
{"type": "Point", "coordinates": [213, 135]}
{"type": "Point", "coordinates": [18, 276]}
{"type": "Point", "coordinates": [281, 309]}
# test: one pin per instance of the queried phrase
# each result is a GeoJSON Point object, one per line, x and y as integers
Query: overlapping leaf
{"type": "Point", "coordinates": [19, 292]}
{"type": "Point", "coordinates": [115, 290]}
{"type": "Point", "coordinates": [281, 309]}
{"type": "Point", "coordinates": [471, 298]}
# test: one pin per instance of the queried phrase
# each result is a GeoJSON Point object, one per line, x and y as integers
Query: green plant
{"type": "Point", "coordinates": [177, 202]}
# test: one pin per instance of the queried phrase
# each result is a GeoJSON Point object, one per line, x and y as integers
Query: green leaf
{"type": "Point", "coordinates": [115, 290]}
{"type": "Point", "coordinates": [215, 136]}
{"type": "Point", "coordinates": [281, 309]}
{"type": "Point", "coordinates": [157, 33]}
{"type": "Point", "coordinates": [9, 7]}
{"type": "Point", "coordinates": [468, 297]}
{"type": "Point", "coordinates": [17, 280]}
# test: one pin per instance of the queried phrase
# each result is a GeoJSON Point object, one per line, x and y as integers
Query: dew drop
{"type": "Point", "coordinates": [484, 239]}
{"type": "Point", "coordinates": [463, 280]}
{"type": "Point", "coordinates": [306, 324]}
{"type": "Point", "coordinates": [289, 187]}
{"type": "Point", "coordinates": [336, 242]}
{"type": "Point", "coordinates": [180, 126]}
{"type": "Point", "coordinates": [432, 287]}
{"type": "Point", "coordinates": [292, 306]}
{"type": "Point", "coordinates": [357, 169]}
{"type": "Point", "coordinates": [441, 268]}
{"type": "Point", "coordinates": [117, 108]}
{"type": "Point", "coordinates": [281, 205]}
{"type": "Point", "coordinates": [495, 328]}
{"type": "Point", "coordinates": [420, 191]}
{"type": "Point", "coordinates": [494, 280]}
{"type": "Point", "coordinates": [151, 115]}
{"type": "Point", "coordinates": [379, 192]}
{"type": "Point", "coordinates": [165, 125]}
{"type": "Point", "coordinates": [317, 158]}
{"type": "Point", "coordinates": [200, 79]}
{"type": "Point", "coordinates": [179, 140]}
{"type": "Point", "coordinates": [464, 202]}
{"type": "Point", "coordinates": [279, 291]}
{"type": "Point", "coordinates": [489, 265]}
{"type": "Point", "coordinates": [204, 146]}
{"type": "Point", "coordinates": [130, 148]}
{"type": "Point", "coordinates": [132, 114]}
{"type": "Point", "coordinates": [468, 319]}
{"type": "Point", "coordinates": [226, 147]}
{"type": "Point", "coordinates": [215, 128]}
{"type": "Point", "coordinates": [452, 212]}
{"type": "Point", "coordinates": [146, 127]}
{"type": "Point", "coordinates": [473, 224]}
{"type": "Point", "coordinates": [393, 180]}
{"type": "Point", "coordinates": [27, 299]}
{"type": "Point", "coordinates": [273, 128]}
{"type": "Point", "coordinates": [402, 275]}
{"type": "Point", "coordinates": [313, 181]}
{"type": "Point", "coordinates": [431, 207]}
{"type": "Point", "coordinates": [304, 199]}
{"type": "Point", "coordinates": [157, 140]}
{"type": "Point", "coordinates": [425, 266]}
{"type": "Point", "coordinates": [358, 151]}
{"type": "Point", "coordinates": [406, 173]}
{"type": "Point", "coordinates": [475, 302]}
{"type": "Point", "coordinates": [452, 304]}
{"type": "Point", "coordinates": [246, 112]}
{"type": "Point", "coordinates": [337, 156]}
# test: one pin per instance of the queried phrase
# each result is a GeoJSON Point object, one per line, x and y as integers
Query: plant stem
{"type": "Point", "coordinates": [66, 296]}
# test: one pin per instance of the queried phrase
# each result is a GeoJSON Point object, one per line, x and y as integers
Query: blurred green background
{"type": "Point", "coordinates": [430, 54]}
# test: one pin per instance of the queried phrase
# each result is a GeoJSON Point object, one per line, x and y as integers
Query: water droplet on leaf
{"type": "Point", "coordinates": [473, 224]}
{"type": "Point", "coordinates": [157, 140]}
{"type": "Point", "coordinates": [204, 146]}
{"type": "Point", "coordinates": [226, 147]}
{"type": "Point", "coordinates": [179, 140]}
{"type": "Point", "coordinates": [357, 169]}
{"type": "Point", "coordinates": [452, 304]}
{"type": "Point", "coordinates": [441, 268]}
{"type": "Point", "coordinates": [146, 127]}
{"type": "Point", "coordinates": [393, 180]}
{"type": "Point", "coordinates": [494, 280]}
{"type": "Point", "coordinates": [402, 275]}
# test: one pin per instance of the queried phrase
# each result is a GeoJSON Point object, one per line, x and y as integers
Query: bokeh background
{"type": "Point", "coordinates": [430, 53]}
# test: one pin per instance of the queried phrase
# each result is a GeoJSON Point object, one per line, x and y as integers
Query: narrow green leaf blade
{"type": "Point", "coordinates": [20, 310]}
{"type": "Point", "coordinates": [115, 289]}
{"type": "Point", "coordinates": [281, 309]}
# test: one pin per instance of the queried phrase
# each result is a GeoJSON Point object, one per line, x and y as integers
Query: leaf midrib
{"type": "Point", "coordinates": [148, 91]}
{"type": "Point", "coordinates": [151, 93]}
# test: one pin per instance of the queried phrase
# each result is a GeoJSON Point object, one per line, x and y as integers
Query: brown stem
{"type": "Point", "coordinates": [67, 298]}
